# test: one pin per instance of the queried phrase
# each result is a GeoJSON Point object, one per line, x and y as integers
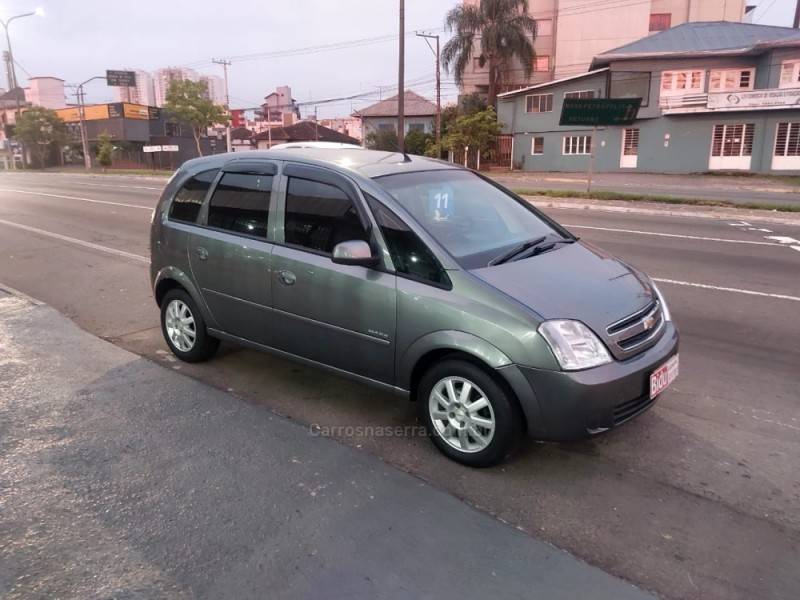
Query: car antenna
{"type": "Point", "coordinates": [406, 157]}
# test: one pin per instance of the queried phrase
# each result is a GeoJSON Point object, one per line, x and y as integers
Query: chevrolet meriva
{"type": "Point", "coordinates": [419, 277]}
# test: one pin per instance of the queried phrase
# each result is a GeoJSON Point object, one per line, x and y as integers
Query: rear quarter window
{"type": "Point", "coordinates": [187, 202]}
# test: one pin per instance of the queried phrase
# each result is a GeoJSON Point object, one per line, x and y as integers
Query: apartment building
{"type": "Point", "coordinates": [216, 88]}
{"type": "Point", "coordinates": [163, 77]}
{"type": "Point", "coordinates": [570, 33]}
{"type": "Point", "coordinates": [142, 93]}
{"type": "Point", "coordinates": [715, 97]}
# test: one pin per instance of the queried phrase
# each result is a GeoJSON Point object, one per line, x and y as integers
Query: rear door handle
{"type": "Point", "coordinates": [287, 277]}
{"type": "Point", "coordinates": [202, 253]}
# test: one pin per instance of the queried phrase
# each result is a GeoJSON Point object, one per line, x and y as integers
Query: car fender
{"type": "Point", "coordinates": [185, 281]}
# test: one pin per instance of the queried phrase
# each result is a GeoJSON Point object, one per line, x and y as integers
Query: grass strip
{"type": "Point", "coordinates": [628, 197]}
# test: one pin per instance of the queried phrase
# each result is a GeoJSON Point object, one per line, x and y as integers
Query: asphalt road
{"type": "Point", "coordinates": [698, 498]}
{"type": "Point", "coordinates": [737, 189]}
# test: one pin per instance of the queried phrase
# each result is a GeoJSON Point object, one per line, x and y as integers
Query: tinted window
{"type": "Point", "coordinates": [409, 253]}
{"type": "Point", "coordinates": [241, 204]}
{"type": "Point", "coordinates": [187, 202]}
{"type": "Point", "coordinates": [319, 216]}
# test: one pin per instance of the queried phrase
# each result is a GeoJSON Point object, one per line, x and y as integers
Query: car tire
{"type": "Point", "coordinates": [184, 328]}
{"type": "Point", "coordinates": [478, 430]}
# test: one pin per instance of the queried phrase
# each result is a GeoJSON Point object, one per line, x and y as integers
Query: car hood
{"type": "Point", "coordinates": [574, 281]}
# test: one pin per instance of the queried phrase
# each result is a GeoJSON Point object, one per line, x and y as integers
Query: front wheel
{"type": "Point", "coordinates": [471, 418]}
{"type": "Point", "coordinates": [184, 328]}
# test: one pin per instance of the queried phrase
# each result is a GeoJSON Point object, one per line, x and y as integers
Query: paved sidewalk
{"type": "Point", "coordinates": [120, 478]}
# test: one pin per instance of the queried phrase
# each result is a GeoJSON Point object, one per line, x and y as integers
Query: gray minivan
{"type": "Point", "coordinates": [419, 277]}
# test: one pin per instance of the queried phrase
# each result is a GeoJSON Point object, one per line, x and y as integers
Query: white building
{"type": "Point", "coordinates": [216, 88]}
{"type": "Point", "coordinates": [142, 93]}
{"type": "Point", "coordinates": [163, 77]}
{"type": "Point", "coordinates": [47, 92]}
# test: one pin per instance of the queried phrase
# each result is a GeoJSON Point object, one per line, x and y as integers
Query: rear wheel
{"type": "Point", "coordinates": [471, 418]}
{"type": "Point", "coordinates": [184, 328]}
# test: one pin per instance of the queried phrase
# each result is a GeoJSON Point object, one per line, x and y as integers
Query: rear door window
{"type": "Point", "coordinates": [241, 203]}
{"type": "Point", "coordinates": [187, 202]}
{"type": "Point", "coordinates": [319, 216]}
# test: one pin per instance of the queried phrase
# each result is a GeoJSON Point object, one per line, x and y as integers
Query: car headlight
{"type": "Point", "coordinates": [664, 307]}
{"type": "Point", "coordinates": [575, 345]}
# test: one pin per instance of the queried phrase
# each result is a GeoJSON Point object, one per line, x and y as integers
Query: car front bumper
{"type": "Point", "coordinates": [570, 405]}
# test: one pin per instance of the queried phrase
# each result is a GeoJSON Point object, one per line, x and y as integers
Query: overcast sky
{"type": "Point", "coordinates": [81, 38]}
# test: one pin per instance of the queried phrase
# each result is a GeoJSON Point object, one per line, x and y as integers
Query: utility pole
{"type": "Point", "coordinates": [428, 36]}
{"type": "Point", "coordinates": [401, 92]}
{"type": "Point", "coordinates": [87, 157]}
{"type": "Point", "coordinates": [225, 64]}
{"type": "Point", "coordinates": [797, 15]}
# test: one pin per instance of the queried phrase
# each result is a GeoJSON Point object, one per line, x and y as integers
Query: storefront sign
{"type": "Point", "coordinates": [599, 111]}
{"type": "Point", "coordinates": [774, 98]}
{"type": "Point", "coordinates": [151, 148]}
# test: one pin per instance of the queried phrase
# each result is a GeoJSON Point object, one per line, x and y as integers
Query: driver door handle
{"type": "Point", "coordinates": [202, 253]}
{"type": "Point", "coordinates": [287, 277]}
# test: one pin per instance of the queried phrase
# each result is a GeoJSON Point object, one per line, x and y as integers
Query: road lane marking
{"type": "Point", "coordinates": [674, 235]}
{"type": "Point", "coordinates": [782, 239]}
{"type": "Point", "coordinates": [92, 200]}
{"type": "Point", "coordinates": [759, 229]}
{"type": "Point", "coordinates": [77, 242]}
{"type": "Point", "coordinates": [144, 259]}
{"type": "Point", "coordinates": [706, 286]}
{"type": "Point", "coordinates": [133, 187]}
{"type": "Point", "coordinates": [740, 224]}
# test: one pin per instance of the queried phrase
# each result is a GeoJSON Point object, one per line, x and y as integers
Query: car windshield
{"type": "Point", "coordinates": [471, 218]}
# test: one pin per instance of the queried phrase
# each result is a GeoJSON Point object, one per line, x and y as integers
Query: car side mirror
{"type": "Point", "coordinates": [354, 252]}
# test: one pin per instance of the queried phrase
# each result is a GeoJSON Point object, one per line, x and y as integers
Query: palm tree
{"type": "Point", "coordinates": [504, 29]}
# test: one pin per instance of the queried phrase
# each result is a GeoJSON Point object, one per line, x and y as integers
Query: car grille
{"type": "Point", "coordinates": [631, 408]}
{"type": "Point", "coordinates": [638, 331]}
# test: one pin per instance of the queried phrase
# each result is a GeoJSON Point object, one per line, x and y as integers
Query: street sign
{"type": "Point", "coordinates": [121, 78]}
{"type": "Point", "coordinates": [151, 148]}
{"type": "Point", "coordinates": [170, 148]}
{"type": "Point", "coordinates": [596, 112]}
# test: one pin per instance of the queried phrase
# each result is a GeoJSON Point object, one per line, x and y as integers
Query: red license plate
{"type": "Point", "coordinates": [663, 376]}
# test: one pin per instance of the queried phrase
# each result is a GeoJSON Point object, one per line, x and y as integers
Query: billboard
{"type": "Point", "coordinates": [599, 111]}
{"type": "Point", "coordinates": [93, 112]}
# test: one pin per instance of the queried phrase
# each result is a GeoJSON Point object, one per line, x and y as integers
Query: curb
{"type": "Point", "coordinates": [15, 292]}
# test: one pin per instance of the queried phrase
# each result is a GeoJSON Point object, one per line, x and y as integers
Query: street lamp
{"type": "Point", "coordinates": [12, 73]}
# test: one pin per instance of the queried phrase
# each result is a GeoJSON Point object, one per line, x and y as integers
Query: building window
{"type": "Point", "coordinates": [733, 140]}
{"type": "Point", "coordinates": [386, 127]}
{"type": "Point", "coordinates": [790, 74]}
{"type": "Point", "coordinates": [241, 204]}
{"type": "Point", "coordinates": [630, 85]}
{"type": "Point", "coordinates": [630, 142]}
{"type": "Point", "coordinates": [660, 21]}
{"type": "Point", "coordinates": [577, 144]}
{"type": "Point", "coordinates": [787, 141]}
{"type": "Point", "coordinates": [537, 146]}
{"type": "Point", "coordinates": [678, 83]}
{"type": "Point", "coordinates": [187, 202]}
{"type": "Point", "coordinates": [541, 64]}
{"type": "Point", "coordinates": [319, 216]}
{"type": "Point", "coordinates": [537, 103]}
{"type": "Point", "coordinates": [416, 127]}
{"type": "Point", "coordinates": [580, 95]}
{"type": "Point", "coordinates": [544, 27]}
{"type": "Point", "coordinates": [731, 80]}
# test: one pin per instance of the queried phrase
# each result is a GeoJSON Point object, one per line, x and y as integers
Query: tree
{"type": "Point", "coordinates": [503, 29]}
{"type": "Point", "coordinates": [417, 141]}
{"type": "Point", "coordinates": [40, 130]}
{"type": "Point", "coordinates": [105, 149]}
{"type": "Point", "coordinates": [382, 139]}
{"type": "Point", "coordinates": [477, 131]}
{"type": "Point", "coordinates": [188, 103]}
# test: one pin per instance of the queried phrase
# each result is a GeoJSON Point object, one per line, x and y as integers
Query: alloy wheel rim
{"type": "Point", "coordinates": [461, 414]}
{"type": "Point", "coordinates": [180, 325]}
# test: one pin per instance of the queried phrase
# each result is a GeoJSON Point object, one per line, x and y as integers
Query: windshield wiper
{"type": "Point", "coordinates": [541, 249]}
{"type": "Point", "coordinates": [516, 250]}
